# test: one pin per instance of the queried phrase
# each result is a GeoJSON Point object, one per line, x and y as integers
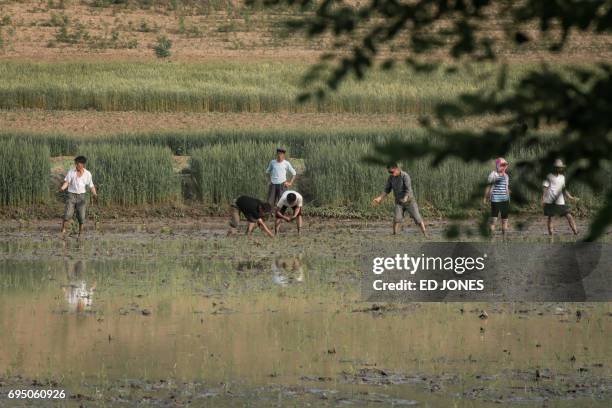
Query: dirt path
{"type": "Point", "coordinates": [92, 123]}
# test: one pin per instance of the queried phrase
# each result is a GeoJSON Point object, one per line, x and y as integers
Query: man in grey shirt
{"type": "Point", "coordinates": [399, 182]}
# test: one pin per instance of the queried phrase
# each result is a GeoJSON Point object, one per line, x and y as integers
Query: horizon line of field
{"type": "Point", "coordinates": [331, 174]}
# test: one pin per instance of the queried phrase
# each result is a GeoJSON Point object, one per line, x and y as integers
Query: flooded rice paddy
{"type": "Point", "coordinates": [147, 314]}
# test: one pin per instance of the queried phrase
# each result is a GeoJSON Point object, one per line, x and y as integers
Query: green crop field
{"type": "Point", "coordinates": [184, 142]}
{"type": "Point", "coordinates": [222, 172]}
{"type": "Point", "coordinates": [24, 172]}
{"type": "Point", "coordinates": [223, 165]}
{"type": "Point", "coordinates": [222, 87]}
{"type": "Point", "coordinates": [137, 168]}
{"type": "Point", "coordinates": [132, 175]}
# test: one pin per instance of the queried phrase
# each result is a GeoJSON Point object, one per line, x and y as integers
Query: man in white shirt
{"type": "Point", "coordinates": [76, 182]}
{"type": "Point", "coordinates": [277, 169]}
{"type": "Point", "coordinates": [289, 199]}
{"type": "Point", "coordinates": [553, 198]}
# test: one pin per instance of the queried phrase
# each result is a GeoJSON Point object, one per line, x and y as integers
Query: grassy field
{"type": "Point", "coordinates": [132, 175]}
{"type": "Point", "coordinates": [223, 165]}
{"type": "Point", "coordinates": [24, 172]}
{"type": "Point", "coordinates": [335, 180]}
{"type": "Point", "coordinates": [83, 79]}
{"type": "Point", "coordinates": [183, 143]}
{"type": "Point", "coordinates": [223, 172]}
{"type": "Point", "coordinates": [221, 87]}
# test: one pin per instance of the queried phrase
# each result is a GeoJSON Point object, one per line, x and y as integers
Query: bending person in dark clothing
{"type": "Point", "coordinates": [254, 210]}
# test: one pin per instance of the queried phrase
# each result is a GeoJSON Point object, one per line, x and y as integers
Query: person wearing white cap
{"type": "Point", "coordinates": [553, 197]}
{"type": "Point", "coordinates": [278, 169]}
{"type": "Point", "coordinates": [498, 194]}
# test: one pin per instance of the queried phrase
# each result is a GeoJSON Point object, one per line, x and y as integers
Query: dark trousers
{"type": "Point", "coordinates": [275, 191]}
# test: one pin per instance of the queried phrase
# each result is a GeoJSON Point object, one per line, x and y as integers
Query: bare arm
{"type": "Point", "coordinates": [297, 213]}
{"type": "Point", "coordinates": [293, 174]}
{"type": "Point", "coordinates": [290, 181]}
{"type": "Point", "coordinates": [269, 172]}
{"type": "Point", "coordinates": [279, 214]}
{"type": "Point", "coordinates": [379, 198]}
{"type": "Point", "coordinates": [545, 191]}
{"type": "Point", "coordinates": [93, 190]}
{"type": "Point", "coordinates": [487, 194]}
{"type": "Point", "coordinates": [264, 228]}
{"type": "Point", "coordinates": [386, 190]}
{"type": "Point", "coordinates": [571, 197]}
{"type": "Point", "coordinates": [64, 186]}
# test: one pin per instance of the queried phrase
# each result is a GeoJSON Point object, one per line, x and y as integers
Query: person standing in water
{"type": "Point", "coordinates": [76, 182]}
{"type": "Point", "coordinates": [553, 199]}
{"type": "Point", "coordinates": [399, 182]}
{"type": "Point", "coordinates": [498, 194]}
{"type": "Point", "coordinates": [277, 169]}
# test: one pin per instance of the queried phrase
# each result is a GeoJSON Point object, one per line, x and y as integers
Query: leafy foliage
{"type": "Point", "coordinates": [575, 100]}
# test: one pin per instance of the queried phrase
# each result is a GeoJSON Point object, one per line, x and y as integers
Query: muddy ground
{"type": "Point", "coordinates": [531, 227]}
{"type": "Point", "coordinates": [175, 313]}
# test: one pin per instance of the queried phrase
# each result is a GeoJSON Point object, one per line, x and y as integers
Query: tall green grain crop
{"type": "Point", "coordinates": [24, 172]}
{"type": "Point", "coordinates": [222, 172]}
{"type": "Point", "coordinates": [132, 174]}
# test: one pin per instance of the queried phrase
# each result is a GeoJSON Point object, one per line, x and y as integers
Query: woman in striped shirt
{"type": "Point", "coordinates": [498, 193]}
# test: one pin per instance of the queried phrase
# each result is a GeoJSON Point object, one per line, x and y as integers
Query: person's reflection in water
{"type": "Point", "coordinates": [287, 271]}
{"type": "Point", "coordinates": [78, 296]}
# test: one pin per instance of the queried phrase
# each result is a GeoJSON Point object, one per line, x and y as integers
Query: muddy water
{"type": "Point", "coordinates": [209, 320]}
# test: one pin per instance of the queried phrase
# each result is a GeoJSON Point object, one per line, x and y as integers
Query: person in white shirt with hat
{"type": "Point", "coordinates": [553, 197]}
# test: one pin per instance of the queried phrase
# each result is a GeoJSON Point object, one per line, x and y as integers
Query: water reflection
{"type": "Point", "coordinates": [78, 296]}
{"type": "Point", "coordinates": [314, 334]}
{"type": "Point", "coordinates": [286, 271]}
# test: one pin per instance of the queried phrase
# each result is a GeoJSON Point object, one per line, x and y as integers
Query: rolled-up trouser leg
{"type": "Point", "coordinates": [413, 211]}
{"type": "Point", "coordinates": [81, 207]}
{"type": "Point", "coordinates": [398, 213]}
{"type": "Point", "coordinates": [69, 206]}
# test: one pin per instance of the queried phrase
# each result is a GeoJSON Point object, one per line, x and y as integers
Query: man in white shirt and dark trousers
{"type": "Point", "coordinates": [76, 182]}
{"type": "Point", "coordinates": [277, 169]}
{"type": "Point", "coordinates": [289, 199]}
{"type": "Point", "coordinates": [553, 198]}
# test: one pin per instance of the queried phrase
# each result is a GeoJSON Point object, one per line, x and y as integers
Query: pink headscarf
{"type": "Point", "coordinates": [499, 162]}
